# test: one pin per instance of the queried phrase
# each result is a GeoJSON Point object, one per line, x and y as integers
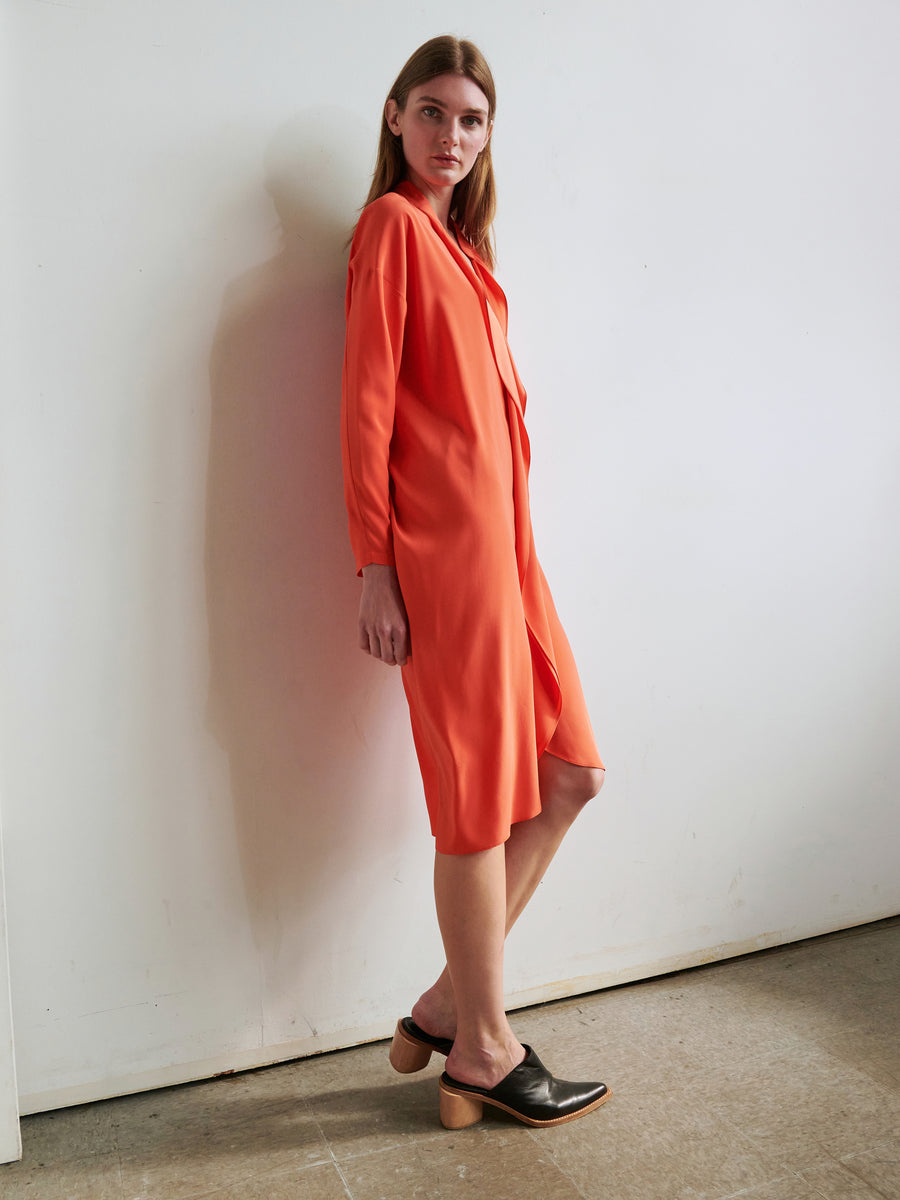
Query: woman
{"type": "Point", "coordinates": [436, 482]}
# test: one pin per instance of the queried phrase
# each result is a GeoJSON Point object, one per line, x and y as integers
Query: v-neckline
{"type": "Point", "coordinates": [456, 242]}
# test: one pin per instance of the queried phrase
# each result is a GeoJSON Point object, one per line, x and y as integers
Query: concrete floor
{"type": "Point", "coordinates": [771, 1077]}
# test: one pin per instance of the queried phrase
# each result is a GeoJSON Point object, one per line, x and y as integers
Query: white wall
{"type": "Point", "coordinates": [10, 1138]}
{"type": "Point", "coordinates": [217, 853]}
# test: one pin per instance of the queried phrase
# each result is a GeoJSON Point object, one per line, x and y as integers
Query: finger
{"type": "Point", "coordinates": [373, 643]}
{"type": "Point", "coordinates": [387, 651]}
{"type": "Point", "coordinates": [368, 641]}
{"type": "Point", "coordinates": [398, 639]}
{"type": "Point", "coordinates": [402, 646]}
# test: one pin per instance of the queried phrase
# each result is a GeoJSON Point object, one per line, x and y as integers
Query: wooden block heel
{"type": "Point", "coordinates": [406, 1055]}
{"type": "Point", "coordinates": [458, 1111]}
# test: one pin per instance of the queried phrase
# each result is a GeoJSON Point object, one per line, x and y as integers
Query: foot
{"type": "Point", "coordinates": [485, 1064]}
{"type": "Point", "coordinates": [435, 1012]}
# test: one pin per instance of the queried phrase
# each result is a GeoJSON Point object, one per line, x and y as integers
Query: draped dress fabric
{"type": "Point", "coordinates": [436, 462]}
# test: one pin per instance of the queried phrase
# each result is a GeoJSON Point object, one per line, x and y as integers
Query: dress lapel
{"type": "Point", "coordinates": [489, 292]}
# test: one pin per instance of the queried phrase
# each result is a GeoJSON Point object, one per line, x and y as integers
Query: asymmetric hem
{"type": "Point", "coordinates": [436, 461]}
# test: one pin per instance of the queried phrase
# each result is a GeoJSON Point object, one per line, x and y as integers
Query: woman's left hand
{"type": "Point", "coordinates": [383, 624]}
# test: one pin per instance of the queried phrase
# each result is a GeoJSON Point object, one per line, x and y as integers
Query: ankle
{"type": "Point", "coordinates": [435, 1012]}
{"type": "Point", "coordinates": [483, 1061]}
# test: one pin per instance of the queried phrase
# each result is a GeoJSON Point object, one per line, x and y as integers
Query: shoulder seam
{"type": "Point", "coordinates": [372, 270]}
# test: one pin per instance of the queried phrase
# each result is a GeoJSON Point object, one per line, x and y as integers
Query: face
{"type": "Point", "coordinates": [444, 127]}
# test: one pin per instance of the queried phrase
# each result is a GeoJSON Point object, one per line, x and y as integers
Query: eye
{"type": "Point", "coordinates": [430, 111]}
{"type": "Point", "coordinates": [472, 121]}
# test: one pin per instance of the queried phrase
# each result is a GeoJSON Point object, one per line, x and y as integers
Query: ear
{"type": "Point", "coordinates": [489, 132]}
{"type": "Point", "coordinates": [392, 115]}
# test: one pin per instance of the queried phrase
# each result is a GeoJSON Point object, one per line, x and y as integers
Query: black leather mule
{"type": "Point", "coordinates": [529, 1093]}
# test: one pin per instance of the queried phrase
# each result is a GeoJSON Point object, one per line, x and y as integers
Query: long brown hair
{"type": "Point", "coordinates": [475, 197]}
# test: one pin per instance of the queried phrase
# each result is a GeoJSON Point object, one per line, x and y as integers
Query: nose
{"type": "Point", "coordinates": [451, 133]}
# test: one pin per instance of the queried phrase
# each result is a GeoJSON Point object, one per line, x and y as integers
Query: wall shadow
{"type": "Point", "coordinates": [291, 698]}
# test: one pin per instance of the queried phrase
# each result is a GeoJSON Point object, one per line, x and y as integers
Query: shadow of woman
{"type": "Point", "coordinates": [304, 717]}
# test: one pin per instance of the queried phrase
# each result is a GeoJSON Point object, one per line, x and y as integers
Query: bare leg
{"type": "Point", "coordinates": [565, 789]}
{"type": "Point", "coordinates": [470, 896]}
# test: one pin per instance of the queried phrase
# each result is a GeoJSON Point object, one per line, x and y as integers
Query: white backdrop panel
{"type": "Point", "coordinates": [217, 853]}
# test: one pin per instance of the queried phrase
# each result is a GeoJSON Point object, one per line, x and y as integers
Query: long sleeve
{"type": "Point", "coordinates": [376, 315]}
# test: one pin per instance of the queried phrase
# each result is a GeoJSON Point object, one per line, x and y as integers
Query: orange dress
{"type": "Point", "coordinates": [436, 464]}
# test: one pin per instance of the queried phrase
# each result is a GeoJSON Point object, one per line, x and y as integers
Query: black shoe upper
{"type": "Point", "coordinates": [442, 1045]}
{"type": "Point", "coordinates": [530, 1089]}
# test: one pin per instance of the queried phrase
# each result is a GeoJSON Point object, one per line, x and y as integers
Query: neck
{"type": "Point", "coordinates": [440, 198]}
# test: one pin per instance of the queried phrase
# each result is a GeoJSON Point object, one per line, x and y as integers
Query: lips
{"type": "Point", "coordinates": [447, 160]}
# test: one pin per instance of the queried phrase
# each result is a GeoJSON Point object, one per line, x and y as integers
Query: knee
{"type": "Point", "coordinates": [591, 782]}
{"type": "Point", "coordinates": [577, 786]}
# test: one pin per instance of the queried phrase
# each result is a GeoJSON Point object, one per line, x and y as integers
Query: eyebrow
{"type": "Point", "coordinates": [443, 104]}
